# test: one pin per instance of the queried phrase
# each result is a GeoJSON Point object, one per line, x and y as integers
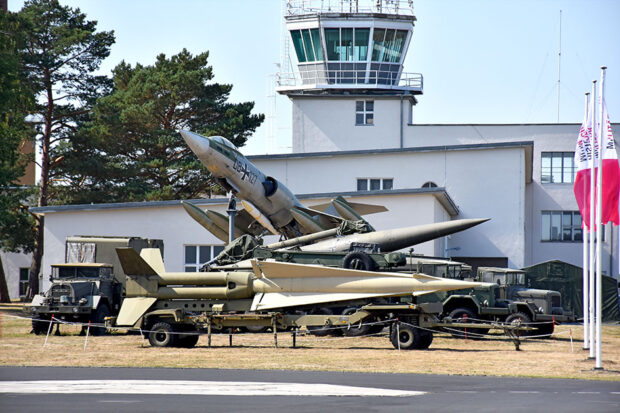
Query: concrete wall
{"type": "Point", "coordinates": [12, 262]}
{"type": "Point", "coordinates": [485, 183]}
{"type": "Point", "coordinates": [328, 124]}
{"type": "Point", "coordinates": [172, 224]}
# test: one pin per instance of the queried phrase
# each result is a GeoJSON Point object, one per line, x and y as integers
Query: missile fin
{"type": "Point", "coordinates": [133, 263]}
{"type": "Point", "coordinates": [268, 301]}
{"type": "Point", "coordinates": [306, 221]}
{"type": "Point", "coordinates": [273, 270]}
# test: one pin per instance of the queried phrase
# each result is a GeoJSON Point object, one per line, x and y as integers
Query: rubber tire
{"type": "Point", "coordinates": [98, 317]}
{"type": "Point", "coordinates": [410, 337]}
{"type": "Point", "coordinates": [162, 335]}
{"type": "Point", "coordinates": [426, 339]}
{"type": "Point", "coordinates": [256, 329]}
{"type": "Point", "coordinates": [544, 329]}
{"type": "Point", "coordinates": [40, 326]}
{"type": "Point", "coordinates": [358, 260]}
{"type": "Point", "coordinates": [525, 320]}
{"type": "Point", "coordinates": [188, 341]}
{"type": "Point", "coordinates": [322, 331]}
{"type": "Point", "coordinates": [354, 331]}
{"type": "Point", "coordinates": [457, 314]}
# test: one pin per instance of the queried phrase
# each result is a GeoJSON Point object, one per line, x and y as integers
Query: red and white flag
{"type": "Point", "coordinates": [583, 163]}
{"type": "Point", "coordinates": [611, 170]}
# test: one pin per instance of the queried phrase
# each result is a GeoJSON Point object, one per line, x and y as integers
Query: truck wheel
{"type": "Point", "coordinates": [458, 315]}
{"type": "Point", "coordinates": [256, 329]}
{"type": "Point", "coordinates": [410, 337]}
{"type": "Point", "coordinates": [98, 317]}
{"type": "Point", "coordinates": [162, 335]}
{"type": "Point", "coordinates": [358, 261]}
{"type": "Point", "coordinates": [356, 330]}
{"type": "Point", "coordinates": [545, 329]}
{"type": "Point", "coordinates": [426, 339]}
{"type": "Point", "coordinates": [189, 340]}
{"type": "Point", "coordinates": [40, 326]}
{"type": "Point", "coordinates": [523, 319]}
{"type": "Point", "coordinates": [322, 331]}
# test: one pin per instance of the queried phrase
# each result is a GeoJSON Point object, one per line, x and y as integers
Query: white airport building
{"type": "Point", "coordinates": [353, 135]}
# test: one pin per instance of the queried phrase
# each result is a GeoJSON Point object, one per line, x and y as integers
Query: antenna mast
{"type": "Point", "coordinates": [559, 66]}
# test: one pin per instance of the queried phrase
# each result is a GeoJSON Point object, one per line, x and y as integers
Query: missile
{"type": "Point", "coordinates": [259, 217]}
{"type": "Point", "coordinates": [395, 239]}
{"type": "Point", "coordinates": [147, 280]}
{"type": "Point", "coordinates": [203, 219]}
{"type": "Point", "coordinates": [306, 221]}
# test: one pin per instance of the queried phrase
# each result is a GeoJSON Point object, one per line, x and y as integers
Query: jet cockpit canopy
{"type": "Point", "coordinates": [224, 141]}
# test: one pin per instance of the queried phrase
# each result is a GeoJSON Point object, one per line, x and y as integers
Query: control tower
{"type": "Point", "coordinates": [349, 56]}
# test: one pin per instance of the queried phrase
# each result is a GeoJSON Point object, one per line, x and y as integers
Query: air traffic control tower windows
{"type": "Point", "coordinates": [307, 45]}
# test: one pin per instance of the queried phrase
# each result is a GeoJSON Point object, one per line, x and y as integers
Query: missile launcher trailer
{"type": "Point", "coordinates": [89, 286]}
{"type": "Point", "coordinates": [174, 307]}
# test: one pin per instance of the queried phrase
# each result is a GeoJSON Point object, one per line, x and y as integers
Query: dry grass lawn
{"type": "Point", "coordinates": [495, 357]}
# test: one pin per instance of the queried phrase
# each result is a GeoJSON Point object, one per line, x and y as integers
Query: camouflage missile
{"type": "Point", "coordinates": [395, 239]}
{"type": "Point", "coordinates": [146, 279]}
{"type": "Point", "coordinates": [203, 219]}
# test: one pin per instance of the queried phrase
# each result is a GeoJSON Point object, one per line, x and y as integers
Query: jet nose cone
{"type": "Point", "coordinates": [197, 143]}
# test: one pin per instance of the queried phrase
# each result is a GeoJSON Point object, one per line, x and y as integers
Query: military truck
{"type": "Point", "coordinates": [89, 286]}
{"type": "Point", "coordinates": [502, 296]}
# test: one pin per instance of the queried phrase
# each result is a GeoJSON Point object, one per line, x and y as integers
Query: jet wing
{"type": "Point", "coordinates": [359, 208]}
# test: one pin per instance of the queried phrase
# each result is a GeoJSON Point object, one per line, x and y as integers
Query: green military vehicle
{"type": "Point", "coordinates": [89, 286]}
{"type": "Point", "coordinates": [502, 296]}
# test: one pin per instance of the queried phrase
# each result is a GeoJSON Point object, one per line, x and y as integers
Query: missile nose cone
{"type": "Point", "coordinates": [197, 143]}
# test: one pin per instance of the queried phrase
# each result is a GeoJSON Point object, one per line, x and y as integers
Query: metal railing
{"type": "Point", "coordinates": [350, 78]}
{"type": "Point", "coordinates": [301, 7]}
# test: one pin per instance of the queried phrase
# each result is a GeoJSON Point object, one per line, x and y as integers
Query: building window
{"type": "Point", "coordinates": [198, 255]}
{"type": "Point", "coordinates": [558, 168]}
{"type": "Point", "coordinates": [429, 184]}
{"type": "Point", "coordinates": [374, 184]}
{"type": "Point", "coordinates": [364, 112]}
{"type": "Point", "coordinates": [562, 226]}
{"type": "Point", "coordinates": [307, 45]}
{"type": "Point", "coordinates": [23, 281]}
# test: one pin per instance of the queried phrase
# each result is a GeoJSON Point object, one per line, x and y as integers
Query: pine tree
{"type": "Point", "coordinates": [131, 150]}
{"type": "Point", "coordinates": [60, 53]}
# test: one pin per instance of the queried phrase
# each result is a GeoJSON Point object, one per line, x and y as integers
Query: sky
{"type": "Point", "coordinates": [483, 61]}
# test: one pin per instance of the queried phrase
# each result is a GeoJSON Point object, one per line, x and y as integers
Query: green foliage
{"type": "Point", "coordinates": [131, 150]}
{"type": "Point", "coordinates": [16, 224]}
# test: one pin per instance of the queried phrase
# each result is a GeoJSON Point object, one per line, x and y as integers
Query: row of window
{"type": "Point", "coordinates": [349, 44]}
{"type": "Point", "coordinates": [563, 226]}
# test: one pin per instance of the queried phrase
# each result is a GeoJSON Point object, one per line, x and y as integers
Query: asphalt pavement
{"type": "Point", "coordinates": [58, 389]}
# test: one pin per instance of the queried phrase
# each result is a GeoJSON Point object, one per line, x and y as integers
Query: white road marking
{"type": "Point", "coordinates": [212, 388]}
{"type": "Point", "coordinates": [524, 392]}
{"type": "Point", "coordinates": [461, 391]}
{"type": "Point", "coordinates": [586, 392]}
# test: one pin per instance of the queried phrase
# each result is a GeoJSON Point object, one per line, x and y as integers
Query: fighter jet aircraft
{"type": "Point", "coordinates": [265, 200]}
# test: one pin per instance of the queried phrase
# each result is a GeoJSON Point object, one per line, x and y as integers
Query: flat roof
{"type": "Point", "coordinates": [439, 193]}
{"type": "Point", "coordinates": [527, 145]}
{"type": "Point", "coordinates": [395, 150]}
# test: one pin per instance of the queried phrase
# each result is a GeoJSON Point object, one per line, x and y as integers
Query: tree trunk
{"type": "Point", "coordinates": [37, 254]}
{"type": "Point", "coordinates": [4, 290]}
{"type": "Point", "coordinates": [37, 258]}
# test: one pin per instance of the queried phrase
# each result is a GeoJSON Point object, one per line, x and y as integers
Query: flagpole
{"type": "Point", "coordinates": [599, 276]}
{"type": "Point", "coordinates": [586, 341]}
{"type": "Point", "coordinates": [592, 226]}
